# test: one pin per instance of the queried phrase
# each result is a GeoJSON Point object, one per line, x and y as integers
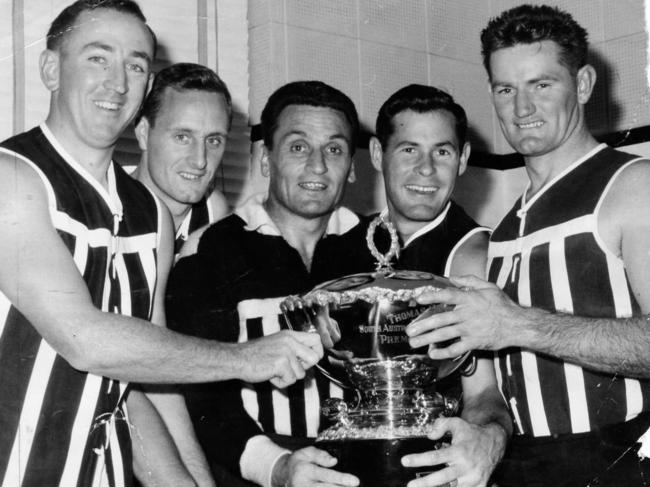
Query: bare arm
{"type": "Point", "coordinates": [485, 318]}
{"type": "Point", "coordinates": [39, 276]}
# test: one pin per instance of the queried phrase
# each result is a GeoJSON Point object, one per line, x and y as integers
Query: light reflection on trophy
{"type": "Point", "coordinates": [361, 320]}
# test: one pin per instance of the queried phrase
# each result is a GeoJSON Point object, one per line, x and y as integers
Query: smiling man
{"type": "Point", "coordinates": [567, 304]}
{"type": "Point", "coordinates": [276, 244]}
{"type": "Point", "coordinates": [84, 257]}
{"type": "Point", "coordinates": [421, 148]}
{"type": "Point", "coordinates": [182, 131]}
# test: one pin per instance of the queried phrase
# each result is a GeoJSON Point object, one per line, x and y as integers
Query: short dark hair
{"type": "Point", "coordinates": [312, 93]}
{"type": "Point", "coordinates": [64, 22]}
{"type": "Point", "coordinates": [182, 77]}
{"type": "Point", "coordinates": [527, 24]}
{"type": "Point", "coordinates": [420, 99]}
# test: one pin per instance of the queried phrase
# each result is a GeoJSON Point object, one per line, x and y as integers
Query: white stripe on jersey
{"type": "Point", "coordinates": [79, 434]}
{"type": "Point", "coordinates": [29, 415]}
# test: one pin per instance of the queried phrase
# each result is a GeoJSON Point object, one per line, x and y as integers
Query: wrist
{"type": "Point", "coordinates": [280, 472]}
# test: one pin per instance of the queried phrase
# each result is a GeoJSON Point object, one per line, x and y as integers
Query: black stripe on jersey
{"type": "Point", "coordinates": [588, 277]}
{"type": "Point", "coordinates": [199, 217]}
{"type": "Point", "coordinates": [95, 271]}
{"type": "Point", "coordinates": [60, 405]}
{"type": "Point", "coordinates": [541, 290]}
{"type": "Point", "coordinates": [605, 394]}
{"type": "Point", "coordinates": [19, 344]}
{"type": "Point", "coordinates": [263, 389]}
{"type": "Point", "coordinates": [140, 295]}
{"type": "Point", "coordinates": [296, 394]}
{"type": "Point", "coordinates": [556, 396]}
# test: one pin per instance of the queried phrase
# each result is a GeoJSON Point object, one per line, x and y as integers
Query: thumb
{"type": "Point", "coordinates": [469, 281]}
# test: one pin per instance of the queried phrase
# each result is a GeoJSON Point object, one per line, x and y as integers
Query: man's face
{"type": "Point", "coordinates": [310, 161]}
{"type": "Point", "coordinates": [185, 145]}
{"type": "Point", "coordinates": [535, 97]}
{"type": "Point", "coordinates": [99, 77]}
{"type": "Point", "coordinates": [420, 164]}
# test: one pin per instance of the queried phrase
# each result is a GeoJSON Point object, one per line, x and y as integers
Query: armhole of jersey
{"type": "Point", "coordinates": [460, 243]}
{"type": "Point", "coordinates": [51, 198]}
{"type": "Point", "coordinates": [599, 240]}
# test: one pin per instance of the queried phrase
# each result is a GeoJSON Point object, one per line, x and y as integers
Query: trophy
{"type": "Point", "coordinates": [361, 320]}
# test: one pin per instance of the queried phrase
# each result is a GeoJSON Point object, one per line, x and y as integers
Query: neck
{"type": "Point", "coordinates": [542, 169]}
{"type": "Point", "coordinates": [301, 233]}
{"type": "Point", "coordinates": [92, 159]}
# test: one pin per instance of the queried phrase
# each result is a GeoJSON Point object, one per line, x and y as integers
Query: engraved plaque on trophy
{"type": "Point", "coordinates": [361, 320]}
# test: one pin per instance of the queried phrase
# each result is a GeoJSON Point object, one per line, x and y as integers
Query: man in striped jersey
{"type": "Point", "coordinates": [568, 266]}
{"type": "Point", "coordinates": [182, 131]}
{"type": "Point", "coordinates": [84, 256]}
{"type": "Point", "coordinates": [274, 245]}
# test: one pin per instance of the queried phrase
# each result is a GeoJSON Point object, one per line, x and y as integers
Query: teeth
{"type": "Point", "coordinates": [312, 186]}
{"type": "Point", "coordinates": [191, 177]}
{"type": "Point", "coordinates": [529, 125]}
{"type": "Point", "coordinates": [421, 189]}
{"type": "Point", "coordinates": [107, 105]}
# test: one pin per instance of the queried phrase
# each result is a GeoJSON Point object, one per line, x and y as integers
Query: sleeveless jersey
{"type": "Point", "coordinates": [547, 253]}
{"type": "Point", "coordinates": [61, 426]}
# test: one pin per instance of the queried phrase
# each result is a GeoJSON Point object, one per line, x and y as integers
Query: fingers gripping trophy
{"type": "Point", "coordinates": [361, 320]}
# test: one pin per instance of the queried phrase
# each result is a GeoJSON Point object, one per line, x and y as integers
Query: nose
{"type": "Point", "coordinates": [316, 162]}
{"type": "Point", "coordinates": [426, 164]}
{"type": "Point", "coordinates": [523, 104]}
{"type": "Point", "coordinates": [199, 156]}
{"type": "Point", "coordinates": [116, 79]}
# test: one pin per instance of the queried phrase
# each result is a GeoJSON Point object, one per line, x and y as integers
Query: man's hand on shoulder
{"type": "Point", "coordinates": [282, 357]}
{"type": "Point", "coordinates": [310, 467]}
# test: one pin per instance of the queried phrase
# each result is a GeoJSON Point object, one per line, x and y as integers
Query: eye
{"type": "Point", "coordinates": [182, 138]}
{"type": "Point", "coordinates": [298, 147]}
{"type": "Point", "coordinates": [504, 91]}
{"type": "Point", "coordinates": [335, 150]}
{"type": "Point", "coordinates": [543, 85]}
{"type": "Point", "coordinates": [215, 141]}
{"type": "Point", "coordinates": [97, 59]}
{"type": "Point", "coordinates": [443, 152]}
{"type": "Point", "coordinates": [136, 68]}
{"type": "Point", "coordinates": [408, 150]}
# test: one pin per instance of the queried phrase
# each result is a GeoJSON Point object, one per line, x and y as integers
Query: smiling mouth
{"type": "Point", "coordinates": [312, 186]}
{"type": "Point", "coordinates": [529, 125]}
{"type": "Point", "coordinates": [188, 176]}
{"type": "Point", "coordinates": [107, 105]}
{"type": "Point", "coordinates": [416, 188]}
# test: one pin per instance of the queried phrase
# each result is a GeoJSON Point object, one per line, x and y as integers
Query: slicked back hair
{"type": "Point", "coordinates": [420, 99]}
{"type": "Point", "coordinates": [312, 93]}
{"type": "Point", "coordinates": [527, 24]}
{"type": "Point", "coordinates": [183, 77]}
{"type": "Point", "coordinates": [65, 21]}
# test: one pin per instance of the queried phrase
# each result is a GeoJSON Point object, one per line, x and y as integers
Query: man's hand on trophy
{"type": "Point", "coordinates": [483, 318]}
{"type": "Point", "coordinates": [282, 357]}
{"type": "Point", "coordinates": [310, 467]}
{"type": "Point", "coordinates": [468, 461]}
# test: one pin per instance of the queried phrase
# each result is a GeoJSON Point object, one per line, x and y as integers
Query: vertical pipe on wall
{"type": "Point", "coordinates": [18, 40]}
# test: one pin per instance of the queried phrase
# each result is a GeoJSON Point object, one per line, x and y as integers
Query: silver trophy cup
{"type": "Point", "coordinates": [361, 320]}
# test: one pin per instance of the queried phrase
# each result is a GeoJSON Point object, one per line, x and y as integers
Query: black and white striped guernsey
{"type": "Point", "coordinates": [547, 253]}
{"type": "Point", "coordinates": [60, 426]}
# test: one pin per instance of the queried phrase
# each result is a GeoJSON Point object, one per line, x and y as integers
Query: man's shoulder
{"type": "Point", "coordinates": [227, 232]}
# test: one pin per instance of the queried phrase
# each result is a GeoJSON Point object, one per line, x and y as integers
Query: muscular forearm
{"type": "Point", "coordinates": [604, 344]}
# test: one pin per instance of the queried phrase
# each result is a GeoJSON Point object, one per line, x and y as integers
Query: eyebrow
{"type": "Point", "coordinates": [109, 48]}
{"type": "Point", "coordinates": [304, 134]}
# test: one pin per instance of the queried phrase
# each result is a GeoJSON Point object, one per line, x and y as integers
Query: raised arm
{"type": "Point", "coordinates": [39, 276]}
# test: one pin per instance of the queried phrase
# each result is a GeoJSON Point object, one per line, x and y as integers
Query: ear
{"type": "Point", "coordinates": [48, 64]}
{"type": "Point", "coordinates": [352, 176]}
{"type": "Point", "coordinates": [264, 162]}
{"type": "Point", "coordinates": [142, 133]}
{"type": "Point", "coordinates": [376, 153]}
{"type": "Point", "coordinates": [586, 80]}
{"type": "Point", "coordinates": [464, 157]}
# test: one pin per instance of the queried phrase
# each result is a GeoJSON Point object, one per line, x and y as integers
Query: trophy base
{"type": "Point", "coordinates": [378, 462]}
